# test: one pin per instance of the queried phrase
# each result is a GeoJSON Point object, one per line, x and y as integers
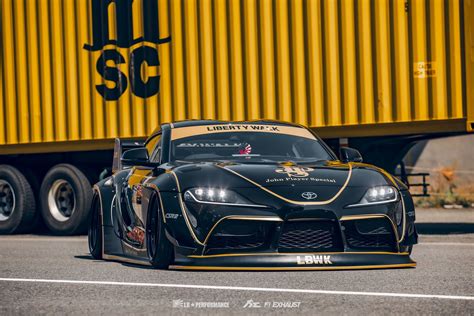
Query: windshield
{"type": "Point", "coordinates": [267, 144]}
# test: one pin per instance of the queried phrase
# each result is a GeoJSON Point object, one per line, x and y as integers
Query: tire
{"type": "Point", "coordinates": [66, 197]}
{"type": "Point", "coordinates": [17, 202]}
{"type": "Point", "coordinates": [159, 248]}
{"type": "Point", "coordinates": [34, 177]}
{"type": "Point", "coordinates": [95, 228]}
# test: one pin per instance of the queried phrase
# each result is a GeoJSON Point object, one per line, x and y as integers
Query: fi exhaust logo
{"type": "Point", "coordinates": [108, 61]}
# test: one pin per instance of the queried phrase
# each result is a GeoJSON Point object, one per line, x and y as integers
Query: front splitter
{"type": "Point", "coordinates": [296, 261]}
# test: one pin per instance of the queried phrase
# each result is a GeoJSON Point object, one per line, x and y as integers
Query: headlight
{"type": "Point", "coordinates": [378, 195]}
{"type": "Point", "coordinates": [217, 196]}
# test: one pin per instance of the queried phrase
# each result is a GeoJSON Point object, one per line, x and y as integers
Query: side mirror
{"type": "Point", "coordinates": [350, 155]}
{"type": "Point", "coordinates": [136, 157]}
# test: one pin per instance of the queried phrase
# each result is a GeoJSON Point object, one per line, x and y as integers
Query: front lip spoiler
{"type": "Point", "coordinates": [296, 261]}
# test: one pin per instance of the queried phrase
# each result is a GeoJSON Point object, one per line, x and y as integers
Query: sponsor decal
{"type": "Point", "coordinates": [252, 304]}
{"type": "Point", "coordinates": [189, 131]}
{"type": "Point", "coordinates": [209, 145]}
{"type": "Point", "coordinates": [296, 172]}
{"type": "Point", "coordinates": [270, 304]}
{"type": "Point", "coordinates": [293, 179]}
{"type": "Point", "coordinates": [309, 195]}
{"type": "Point", "coordinates": [179, 303]}
{"type": "Point", "coordinates": [115, 79]}
{"type": "Point", "coordinates": [246, 150]}
{"type": "Point", "coordinates": [243, 127]}
{"type": "Point", "coordinates": [314, 259]}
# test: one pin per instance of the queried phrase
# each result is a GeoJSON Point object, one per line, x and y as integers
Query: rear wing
{"type": "Point", "coordinates": [121, 146]}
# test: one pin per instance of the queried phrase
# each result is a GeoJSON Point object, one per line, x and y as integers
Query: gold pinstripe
{"type": "Point", "coordinates": [217, 268]}
{"type": "Point", "coordinates": [183, 210]}
{"type": "Point", "coordinates": [291, 201]}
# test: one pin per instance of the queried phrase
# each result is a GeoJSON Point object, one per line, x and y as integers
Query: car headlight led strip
{"type": "Point", "coordinates": [378, 195]}
{"type": "Point", "coordinates": [218, 196]}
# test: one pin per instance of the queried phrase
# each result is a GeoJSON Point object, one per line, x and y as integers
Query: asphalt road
{"type": "Point", "coordinates": [56, 275]}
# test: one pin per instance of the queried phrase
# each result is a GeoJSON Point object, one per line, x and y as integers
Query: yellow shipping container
{"type": "Point", "coordinates": [77, 73]}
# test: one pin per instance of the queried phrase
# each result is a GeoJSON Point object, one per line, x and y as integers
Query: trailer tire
{"type": "Point", "coordinates": [17, 202]}
{"type": "Point", "coordinates": [66, 197]}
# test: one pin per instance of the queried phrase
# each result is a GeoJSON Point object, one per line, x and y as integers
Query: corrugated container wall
{"type": "Point", "coordinates": [92, 69]}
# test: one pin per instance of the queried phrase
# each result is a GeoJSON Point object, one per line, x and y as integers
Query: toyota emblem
{"type": "Point", "coordinates": [309, 195]}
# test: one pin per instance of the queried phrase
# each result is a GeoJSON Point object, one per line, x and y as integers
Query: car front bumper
{"type": "Point", "coordinates": [296, 261]}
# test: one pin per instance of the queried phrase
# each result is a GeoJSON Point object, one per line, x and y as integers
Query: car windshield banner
{"type": "Point", "coordinates": [183, 132]}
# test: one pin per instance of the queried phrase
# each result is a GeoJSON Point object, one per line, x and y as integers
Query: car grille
{"type": "Point", "coordinates": [370, 234]}
{"type": "Point", "coordinates": [313, 236]}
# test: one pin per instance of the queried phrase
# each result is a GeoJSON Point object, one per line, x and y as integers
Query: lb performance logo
{"type": "Point", "coordinates": [139, 57]}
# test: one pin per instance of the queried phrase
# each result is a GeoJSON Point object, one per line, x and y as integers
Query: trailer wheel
{"type": "Point", "coordinates": [66, 197]}
{"type": "Point", "coordinates": [17, 202]}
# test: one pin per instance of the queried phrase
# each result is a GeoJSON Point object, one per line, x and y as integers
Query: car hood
{"type": "Point", "coordinates": [276, 175]}
{"type": "Point", "coordinates": [297, 182]}
{"type": "Point", "coordinates": [315, 182]}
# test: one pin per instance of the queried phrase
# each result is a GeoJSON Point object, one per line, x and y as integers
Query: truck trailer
{"type": "Point", "coordinates": [77, 74]}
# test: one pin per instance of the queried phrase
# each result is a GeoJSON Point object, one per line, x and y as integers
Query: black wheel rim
{"type": "Point", "coordinates": [7, 200]}
{"type": "Point", "coordinates": [94, 228]}
{"type": "Point", "coordinates": [152, 231]}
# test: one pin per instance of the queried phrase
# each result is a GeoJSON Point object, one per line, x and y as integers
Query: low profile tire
{"type": "Point", "coordinates": [66, 197]}
{"type": "Point", "coordinates": [159, 248]}
{"type": "Point", "coordinates": [95, 228]}
{"type": "Point", "coordinates": [17, 202]}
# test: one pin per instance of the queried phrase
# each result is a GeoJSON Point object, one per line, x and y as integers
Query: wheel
{"type": "Point", "coordinates": [159, 248]}
{"type": "Point", "coordinates": [17, 202]}
{"type": "Point", "coordinates": [95, 228]}
{"type": "Point", "coordinates": [66, 197]}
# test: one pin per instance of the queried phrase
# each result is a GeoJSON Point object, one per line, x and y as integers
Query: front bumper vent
{"type": "Point", "coordinates": [310, 236]}
{"type": "Point", "coordinates": [240, 235]}
{"type": "Point", "coordinates": [370, 234]}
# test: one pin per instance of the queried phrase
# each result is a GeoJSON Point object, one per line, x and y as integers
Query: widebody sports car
{"type": "Point", "coordinates": [262, 195]}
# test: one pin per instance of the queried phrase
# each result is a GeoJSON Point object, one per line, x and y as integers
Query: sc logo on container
{"type": "Point", "coordinates": [125, 39]}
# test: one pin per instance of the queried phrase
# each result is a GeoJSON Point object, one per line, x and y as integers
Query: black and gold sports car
{"type": "Point", "coordinates": [262, 195]}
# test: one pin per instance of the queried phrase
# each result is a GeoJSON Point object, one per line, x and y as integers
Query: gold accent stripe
{"type": "Point", "coordinates": [292, 201]}
{"type": "Point", "coordinates": [155, 188]}
{"type": "Point", "coordinates": [365, 216]}
{"type": "Point", "coordinates": [404, 218]}
{"type": "Point", "coordinates": [183, 210]}
{"type": "Point", "coordinates": [217, 268]}
{"type": "Point", "coordinates": [296, 254]}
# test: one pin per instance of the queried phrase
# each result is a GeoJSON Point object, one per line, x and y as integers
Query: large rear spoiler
{"type": "Point", "coordinates": [121, 146]}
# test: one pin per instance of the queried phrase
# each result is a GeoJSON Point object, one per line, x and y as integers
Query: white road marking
{"type": "Point", "coordinates": [49, 239]}
{"type": "Point", "coordinates": [446, 243]}
{"type": "Point", "coordinates": [240, 288]}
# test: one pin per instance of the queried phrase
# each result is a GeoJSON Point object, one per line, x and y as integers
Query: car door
{"type": "Point", "coordinates": [129, 198]}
